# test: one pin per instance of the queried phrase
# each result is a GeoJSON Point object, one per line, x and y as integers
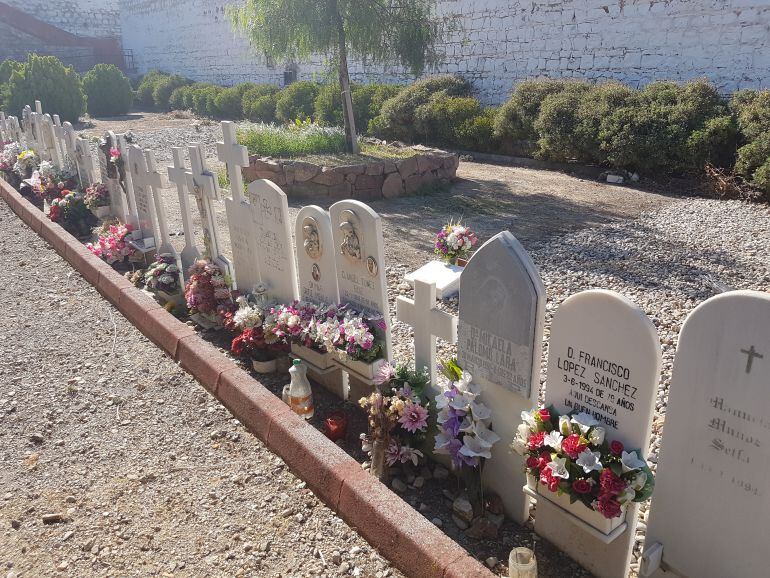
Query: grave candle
{"type": "Point", "coordinates": [336, 425]}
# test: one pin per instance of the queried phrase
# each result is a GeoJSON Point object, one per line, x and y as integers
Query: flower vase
{"type": "Point", "coordinates": [522, 563]}
{"type": "Point", "coordinates": [268, 366]}
{"type": "Point", "coordinates": [379, 468]}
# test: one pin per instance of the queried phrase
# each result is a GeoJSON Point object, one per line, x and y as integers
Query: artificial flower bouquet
{"type": "Point", "coordinates": [398, 418]}
{"type": "Point", "coordinates": [455, 241]}
{"type": "Point", "coordinates": [571, 454]}
{"type": "Point", "coordinates": [162, 276]}
{"type": "Point", "coordinates": [9, 154]}
{"type": "Point", "coordinates": [70, 211]}
{"type": "Point", "coordinates": [97, 198]}
{"type": "Point", "coordinates": [26, 163]}
{"type": "Point", "coordinates": [356, 339]}
{"type": "Point", "coordinates": [207, 294]}
{"type": "Point", "coordinates": [111, 244]}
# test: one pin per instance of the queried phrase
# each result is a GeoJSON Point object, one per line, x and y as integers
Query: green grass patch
{"type": "Point", "coordinates": [292, 140]}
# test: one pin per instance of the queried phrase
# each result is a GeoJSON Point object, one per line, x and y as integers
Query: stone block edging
{"type": "Point", "coordinates": [394, 528]}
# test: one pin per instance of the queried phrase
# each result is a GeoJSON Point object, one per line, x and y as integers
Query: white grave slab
{"type": "Point", "coordinates": [275, 253]}
{"type": "Point", "coordinates": [177, 174]}
{"type": "Point", "coordinates": [316, 265]}
{"type": "Point", "coordinates": [360, 255]}
{"type": "Point", "coordinates": [500, 337]}
{"type": "Point", "coordinates": [445, 276]}
{"type": "Point", "coordinates": [28, 129]}
{"type": "Point", "coordinates": [711, 508]}
{"type": "Point", "coordinates": [604, 358]}
{"type": "Point", "coordinates": [145, 205]}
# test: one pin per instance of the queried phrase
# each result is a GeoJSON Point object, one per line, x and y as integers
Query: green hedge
{"type": "Point", "coordinates": [108, 91]}
{"type": "Point", "coordinates": [296, 101]}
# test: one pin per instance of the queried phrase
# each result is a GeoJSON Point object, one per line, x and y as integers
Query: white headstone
{"type": "Point", "coordinates": [177, 174]}
{"type": "Point", "coordinates": [359, 250]}
{"type": "Point", "coordinates": [85, 164]}
{"type": "Point", "coordinates": [125, 181]}
{"type": "Point", "coordinates": [145, 204]}
{"type": "Point", "coordinates": [428, 322]}
{"type": "Point", "coordinates": [28, 128]}
{"type": "Point", "coordinates": [275, 253]}
{"type": "Point", "coordinates": [711, 508]}
{"type": "Point", "coordinates": [49, 138]}
{"type": "Point", "coordinates": [604, 358]}
{"type": "Point", "coordinates": [109, 176]}
{"type": "Point", "coordinates": [500, 337]}
{"type": "Point", "coordinates": [60, 136]}
{"type": "Point", "coordinates": [316, 264]}
{"type": "Point", "coordinates": [204, 186]}
{"type": "Point", "coordinates": [4, 136]}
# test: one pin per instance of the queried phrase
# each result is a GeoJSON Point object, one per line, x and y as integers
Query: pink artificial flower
{"type": "Point", "coordinates": [415, 417]}
{"type": "Point", "coordinates": [385, 374]}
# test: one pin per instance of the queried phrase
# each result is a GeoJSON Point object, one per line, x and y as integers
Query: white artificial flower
{"type": "Point", "coordinates": [441, 444]}
{"type": "Point", "coordinates": [626, 495]}
{"type": "Point", "coordinates": [553, 440]}
{"type": "Point", "coordinates": [480, 411]}
{"type": "Point", "coordinates": [584, 421]}
{"type": "Point", "coordinates": [519, 444]}
{"type": "Point", "coordinates": [529, 419]}
{"type": "Point", "coordinates": [596, 436]}
{"type": "Point", "coordinates": [564, 425]}
{"type": "Point", "coordinates": [559, 468]}
{"type": "Point", "coordinates": [631, 462]}
{"type": "Point", "coordinates": [589, 461]}
{"type": "Point", "coordinates": [639, 481]}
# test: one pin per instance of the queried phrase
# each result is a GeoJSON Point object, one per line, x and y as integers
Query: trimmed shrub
{"type": "Point", "coordinates": [181, 98]}
{"type": "Point", "coordinates": [478, 133]}
{"type": "Point", "coordinates": [296, 101]}
{"type": "Point", "coordinates": [397, 117]}
{"type": "Point", "coordinates": [204, 99]}
{"type": "Point", "coordinates": [368, 100]}
{"type": "Point", "coordinates": [515, 120]}
{"type": "Point", "coordinates": [327, 108]}
{"type": "Point", "coordinates": [46, 79]}
{"type": "Point", "coordinates": [752, 107]}
{"type": "Point", "coordinates": [259, 103]}
{"type": "Point", "coordinates": [228, 104]}
{"type": "Point", "coordinates": [762, 178]}
{"type": "Point", "coordinates": [558, 125]}
{"type": "Point", "coordinates": [437, 120]}
{"type": "Point", "coordinates": [108, 91]}
{"type": "Point", "coordinates": [752, 156]}
{"type": "Point", "coordinates": [715, 143]}
{"type": "Point", "coordinates": [164, 87]}
{"type": "Point", "coordinates": [146, 88]}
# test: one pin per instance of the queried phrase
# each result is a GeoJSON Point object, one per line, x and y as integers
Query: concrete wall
{"type": "Point", "coordinates": [497, 42]}
{"type": "Point", "coordinates": [94, 18]}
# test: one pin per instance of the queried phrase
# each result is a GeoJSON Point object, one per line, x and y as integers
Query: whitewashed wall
{"type": "Point", "coordinates": [95, 18]}
{"type": "Point", "coordinates": [498, 42]}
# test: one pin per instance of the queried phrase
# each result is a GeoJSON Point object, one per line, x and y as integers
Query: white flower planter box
{"type": "Point", "coordinates": [446, 277]}
{"type": "Point", "coordinates": [312, 357]}
{"type": "Point", "coordinates": [101, 213]}
{"type": "Point", "coordinates": [591, 517]}
{"type": "Point", "coordinates": [270, 366]}
{"type": "Point", "coordinates": [365, 370]}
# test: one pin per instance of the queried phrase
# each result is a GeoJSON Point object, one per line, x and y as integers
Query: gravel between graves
{"type": "Point", "coordinates": [149, 473]}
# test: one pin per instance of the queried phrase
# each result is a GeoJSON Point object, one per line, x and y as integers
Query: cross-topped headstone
{"type": "Point", "coordinates": [49, 138]}
{"type": "Point", "coordinates": [428, 322]}
{"type": "Point", "coordinates": [178, 175]}
{"type": "Point", "coordinates": [203, 184]}
{"type": "Point", "coordinates": [235, 156]}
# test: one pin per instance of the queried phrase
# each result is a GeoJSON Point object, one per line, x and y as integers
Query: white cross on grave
{"type": "Point", "coordinates": [235, 156]}
{"type": "Point", "coordinates": [60, 134]}
{"type": "Point", "coordinates": [178, 175]}
{"type": "Point", "coordinates": [155, 182]}
{"type": "Point", "coordinates": [427, 322]}
{"type": "Point", "coordinates": [3, 127]}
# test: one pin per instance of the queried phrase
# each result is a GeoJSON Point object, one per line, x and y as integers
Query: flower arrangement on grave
{"type": "Point", "coordinates": [163, 275]}
{"type": "Point", "coordinates": [9, 155]}
{"type": "Point", "coordinates": [207, 293]}
{"type": "Point", "coordinates": [97, 195]}
{"type": "Point", "coordinates": [48, 182]}
{"type": "Point", "coordinates": [398, 418]}
{"type": "Point", "coordinates": [571, 454]}
{"type": "Point", "coordinates": [455, 241]}
{"type": "Point", "coordinates": [111, 244]}
{"type": "Point", "coordinates": [26, 163]}
{"type": "Point", "coordinates": [356, 336]}
{"type": "Point", "coordinates": [255, 339]}
{"type": "Point", "coordinates": [70, 211]}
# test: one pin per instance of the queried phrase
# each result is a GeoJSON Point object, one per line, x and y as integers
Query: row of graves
{"type": "Point", "coordinates": [580, 455]}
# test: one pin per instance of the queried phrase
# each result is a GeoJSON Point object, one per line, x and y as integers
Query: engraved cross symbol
{"type": "Point", "coordinates": [752, 353]}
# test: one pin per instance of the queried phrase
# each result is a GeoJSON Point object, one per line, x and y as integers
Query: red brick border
{"type": "Point", "coordinates": [388, 523]}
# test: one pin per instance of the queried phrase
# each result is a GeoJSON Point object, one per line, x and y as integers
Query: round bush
{"type": "Point", "coordinates": [762, 178]}
{"type": "Point", "coordinates": [7, 68]}
{"type": "Point", "coordinates": [327, 109]}
{"type": "Point", "coordinates": [477, 133]}
{"type": "Point", "coordinates": [108, 91]}
{"type": "Point", "coordinates": [515, 120]}
{"type": "Point", "coordinates": [752, 108]}
{"type": "Point", "coordinates": [46, 79]}
{"type": "Point", "coordinates": [181, 98]}
{"type": "Point", "coordinates": [296, 101]}
{"type": "Point", "coordinates": [752, 156]}
{"type": "Point", "coordinates": [228, 104]}
{"type": "Point", "coordinates": [715, 143]}
{"type": "Point", "coordinates": [437, 120]}
{"type": "Point", "coordinates": [259, 104]}
{"type": "Point", "coordinates": [397, 117]}
{"type": "Point", "coordinates": [164, 87]}
{"type": "Point", "coordinates": [557, 125]}
{"type": "Point", "coordinates": [146, 87]}
{"type": "Point", "coordinates": [368, 100]}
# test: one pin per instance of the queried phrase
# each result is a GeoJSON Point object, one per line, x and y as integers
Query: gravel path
{"type": "Point", "coordinates": [151, 474]}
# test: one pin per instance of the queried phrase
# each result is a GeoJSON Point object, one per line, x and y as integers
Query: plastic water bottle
{"type": "Point", "coordinates": [300, 393]}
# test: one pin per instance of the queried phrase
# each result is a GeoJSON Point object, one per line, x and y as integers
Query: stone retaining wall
{"type": "Point", "coordinates": [375, 180]}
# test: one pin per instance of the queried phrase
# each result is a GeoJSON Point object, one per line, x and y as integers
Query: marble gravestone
{"type": "Point", "coordinates": [500, 342]}
{"type": "Point", "coordinates": [272, 229]}
{"type": "Point", "coordinates": [710, 513]}
{"type": "Point", "coordinates": [604, 358]}
{"type": "Point", "coordinates": [445, 276]}
{"type": "Point", "coordinates": [316, 266]}
{"type": "Point", "coordinates": [154, 180]}
{"type": "Point", "coordinates": [145, 205]}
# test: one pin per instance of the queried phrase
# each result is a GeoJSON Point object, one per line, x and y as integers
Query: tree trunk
{"type": "Point", "coordinates": [347, 99]}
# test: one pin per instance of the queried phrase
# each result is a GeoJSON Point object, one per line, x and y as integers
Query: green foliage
{"type": "Point", "coordinates": [752, 107]}
{"type": "Point", "coordinates": [46, 79]}
{"type": "Point", "coordinates": [477, 133]}
{"type": "Point", "coordinates": [752, 156]}
{"type": "Point", "coordinates": [146, 88]}
{"type": "Point", "coordinates": [228, 104]}
{"type": "Point", "coordinates": [181, 98]}
{"type": "Point", "coordinates": [164, 87]}
{"type": "Point", "coordinates": [397, 117]}
{"type": "Point", "coordinates": [108, 91]}
{"type": "Point", "coordinates": [8, 67]}
{"type": "Point", "coordinates": [761, 178]}
{"type": "Point", "coordinates": [437, 120]}
{"type": "Point", "coordinates": [558, 125]}
{"type": "Point", "coordinates": [368, 100]}
{"type": "Point", "coordinates": [515, 120]}
{"type": "Point", "coordinates": [715, 143]}
{"type": "Point", "coordinates": [292, 140]}
{"type": "Point", "coordinates": [296, 101]}
{"type": "Point", "coordinates": [203, 99]}
{"type": "Point", "coordinates": [327, 109]}
{"type": "Point", "coordinates": [259, 103]}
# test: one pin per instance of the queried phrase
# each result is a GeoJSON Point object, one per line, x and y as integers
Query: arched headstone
{"type": "Point", "coordinates": [316, 265]}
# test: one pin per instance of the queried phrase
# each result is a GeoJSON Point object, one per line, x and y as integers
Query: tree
{"type": "Point", "coordinates": [400, 32]}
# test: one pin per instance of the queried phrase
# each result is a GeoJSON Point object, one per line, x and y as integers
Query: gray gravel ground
{"type": "Point", "coordinates": [152, 475]}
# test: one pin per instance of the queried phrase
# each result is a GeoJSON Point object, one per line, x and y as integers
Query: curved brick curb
{"type": "Point", "coordinates": [388, 523]}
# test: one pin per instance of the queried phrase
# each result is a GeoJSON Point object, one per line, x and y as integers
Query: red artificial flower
{"type": "Point", "coordinates": [581, 486]}
{"type": "Point", "coordinates": [533, 462]}
{"type": "Point", "coordinates": [545, 458]}
{"type": "Point", "coordinates": [608, 506]}
{"type": "Point", "coordinates": [54, 213]}
{"type": "Point", "coordinates": [549, 480]}
{"type": "Point", "coordinates": [610, 483]}
{"type": "Point", "coordinates": [572, 446]}
{"type": "Point", "coordinates": [545, 415]}
{"type": "Point", "coordinates": [616, 447]}
{"type": "Point", "coordinates": [536, 440]}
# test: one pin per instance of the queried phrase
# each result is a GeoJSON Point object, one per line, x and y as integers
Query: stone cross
{"type": "Point", "coordinates": [235, 156]}
{"type": "Point", "coordinates": [154, 181]}
{"type": "Point", "coordinates": [428, 322]}
{"type": "Point", "coordinates": [49, 140]}
{"type": "Point", "coordinates": [142, 181]}
{"type": "Point", "coordinates": [178, 174]}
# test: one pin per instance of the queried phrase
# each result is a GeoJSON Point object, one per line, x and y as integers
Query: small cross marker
{"type": "Point", "coordinates": [752, 354]}
{"type": "Point", "coordinates": [234, 156]}
{"type": "Point", "coordinates": [178, 175]}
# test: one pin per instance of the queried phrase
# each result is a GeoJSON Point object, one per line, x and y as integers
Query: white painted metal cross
{"type": "Point", "coordinates": [427, 322]}
{"type": "Point", "coordinates": [178, 175]}
{"type": "Point", "coordinates": [49, 140]}
{"type": "Point", "coordinates": [235, 156]}
{"type": "Point", "coordinates": [155, 182]}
